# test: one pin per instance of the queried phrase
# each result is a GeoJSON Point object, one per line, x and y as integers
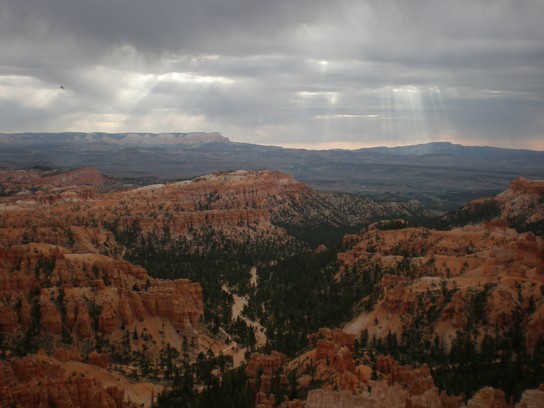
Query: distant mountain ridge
{"type": "Point", "coordinates": [137, 139]}
{"type": "Point", "coordinates": [442, 174]}
{"type": "Point", "coordinates": [448, 148]}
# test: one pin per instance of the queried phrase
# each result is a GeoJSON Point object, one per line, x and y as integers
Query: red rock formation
{"type": "Point", "coordinates": [179, 301]}
{"type": "Point", "coordinates": [456, 265]}
{"type": "Point", "coordinates": [262, 401]}
{"type": "Point", "coordinates": [137, 305]}
{"type": "Point", "coordinates": [71, 313]}
{"type": "Point", "coordinates": [83, 323]}
{"type": "Point", "coordinates": [339, 337]}
{"type": "Point", "coordinates": [532, 398]}
{"type": "Point", "coordinates": [68, 354]}
{"type": "Point", "coordinates": [108, 319]}
{"type": "Point", "coordinates": [99, 360]}
{"type": "Point", "coordinates": [381, 396]}
{"type": "Point", "coordinates": [8, 319]}
{"type": "Point", "coordinates": [269, 364]}
{"type": "Point", "coordinates": [24, 312]}
{"type": "Point", "coordinates": [488, 397]}
{"type": "Point", "coordinates": [50, 318]}
{"type": "Point", "coordinates": [31, 368]}
{"type": "Point", "coordinates": [416, 380]}
{"type": "Point", "coordinates": [34, 382]}
{"type": "Point", "coordinates": [125, 310]}
{"type": "Point", "coordinates": [293, 404]}
{"type": "Point", "coordinates": [454, 312]}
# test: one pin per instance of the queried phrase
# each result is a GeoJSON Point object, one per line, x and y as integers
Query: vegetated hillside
{"type": "Point", "coordinates": [96, 321]}
{"type": "Point", "coordinates": [438, 317]}
{"type": "Point", "coordinates": [468, 301]}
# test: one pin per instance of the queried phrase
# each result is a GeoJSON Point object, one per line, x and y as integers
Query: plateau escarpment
{"type": "Point", "coordinates": [218, 211]}
{"type": "Point", "coordinates": [430, 316]}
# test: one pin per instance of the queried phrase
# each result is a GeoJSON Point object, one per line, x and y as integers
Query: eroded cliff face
{"type": "Point", "coordinates": [64, 280]}
{"type": "Point", "coordinates": [63, 380]}
{"type": "Point", "coordinates": [522, 202]}
{"type": "Point", "coordinates": [212, 212]}
{"type": "Point", "coordinates": [331, 378]}
{"type": "Point", "coordinates": [66, 287]}
{"type": "Point", "coordinates": [334, 379]}
{"type": "Point", "coordinates": [66, 284]}
{"type": "Point", "coordinates": [442, 276]}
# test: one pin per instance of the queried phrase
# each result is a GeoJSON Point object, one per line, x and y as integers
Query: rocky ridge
{"type": "Point", "coordinates": [446, 270]}
{"type": "Point", "coordinates": [470, 289]}
{"type": "Point", "coordinates": [216, 210]}
{"type": "Point", "coordinates": [63, 276]}
{"type": "Point", "coordinates": [323, 371]}
{"type": "Point", "coordinates": [64, 282]}
{"type": "Point", "coordinates": [484, 274]}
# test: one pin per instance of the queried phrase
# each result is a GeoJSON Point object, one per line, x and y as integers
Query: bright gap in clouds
{"type": "Point", "coordinates": [392, 115]}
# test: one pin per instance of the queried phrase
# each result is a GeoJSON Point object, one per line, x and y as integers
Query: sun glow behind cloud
{"type": "Point", "coordinates": [413, 114]}
{"type": "Point", "coordinates": [316, 72]}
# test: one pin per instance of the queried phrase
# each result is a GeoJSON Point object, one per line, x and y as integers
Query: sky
{"type": "Point", "coordinates": [294, 73]}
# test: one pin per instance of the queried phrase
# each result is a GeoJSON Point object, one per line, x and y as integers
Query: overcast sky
{"type": "Point", "coordinates": [342, 73]}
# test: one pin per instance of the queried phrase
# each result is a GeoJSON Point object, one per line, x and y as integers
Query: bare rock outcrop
{"type": "Point", "coordinates": [488, 397]}
{"type": "Point", "coordinates": [382, 396]}
{"type": "Point", "coordinates": [31, 382]}
{"type": "Point", "coordinates": [416, 380]}
{"type": "Point", "coordinates": [68, 354]}
{"type": "Point", "coordinates": [8, 319]}
{"type": "Point", "coordinates": [268, 364]}
{"type": "Point", "coordinates": [99, 360]}
{"type": "Point", "coordinates": [50, 320]}
{"type": "Point", "coordinates": [83, 323]}
{"type": "Point", "coordinates": [108, 319]}
{"type": "Point", "coordinates": [532, 398]}
{"type": "Point", "coordinates": [179, 301]}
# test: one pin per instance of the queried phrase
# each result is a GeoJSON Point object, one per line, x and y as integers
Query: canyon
{"type": "Point", "coordinates": [109, 292]}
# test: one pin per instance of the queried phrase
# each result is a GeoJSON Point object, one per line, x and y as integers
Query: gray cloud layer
{"type": "Point", "coordinates": [343, 73]}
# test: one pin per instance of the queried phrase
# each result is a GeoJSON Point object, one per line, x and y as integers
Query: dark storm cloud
{"type": "Point", "coordinates": [367, 72]}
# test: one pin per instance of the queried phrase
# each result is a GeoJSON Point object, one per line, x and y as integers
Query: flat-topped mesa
{"type": "Point", "coordinates": [190, 139]}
